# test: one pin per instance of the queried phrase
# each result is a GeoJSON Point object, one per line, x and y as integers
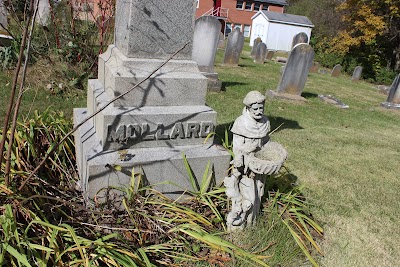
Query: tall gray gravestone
{"type": "Point", "coordinates": [336, 71]}
{"type": "Point", "coordinates": [357, 74]}
{"type": "Point", "coordinates": [205, 43]}
{"type": "Point", "coordinates": [260, 53]}
{"type": "Point", "coordinates": [3, 15]}
{"type": "Point", "coordinates": [300, 38]}
{"type": "Point", "coordinates": [295, 73]}
{"type": "Point", "coordinates": [234, 47]}
{"type": "Point", "coordinates": [255, 45]}
{"type": "Point", "coordinates": [164, 118]}
{"type": "Point", "coordinates": [393, 100]}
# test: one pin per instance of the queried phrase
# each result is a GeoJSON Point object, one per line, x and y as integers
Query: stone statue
{"type": "Point", "coordinates": [255, 157]}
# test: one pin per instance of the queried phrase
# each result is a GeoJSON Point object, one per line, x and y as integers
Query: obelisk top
{"type": "Point", "coordinates": [154, 28]}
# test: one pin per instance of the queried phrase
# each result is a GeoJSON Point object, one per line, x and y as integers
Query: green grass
{"type": "Point", "coordinates": [39, 97]}
{"type": "Point", "coordinates": [347, 159]}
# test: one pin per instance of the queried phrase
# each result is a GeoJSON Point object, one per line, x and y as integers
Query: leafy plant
{"type": "Point", "coordinates": [293, 210]}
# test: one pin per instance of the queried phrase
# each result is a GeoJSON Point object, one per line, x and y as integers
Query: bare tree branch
{"type": "Point", "coordinates": [20, 93]}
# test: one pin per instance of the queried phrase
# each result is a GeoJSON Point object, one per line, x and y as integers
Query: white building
{"type": "Point", "coordinates": [277, 30]}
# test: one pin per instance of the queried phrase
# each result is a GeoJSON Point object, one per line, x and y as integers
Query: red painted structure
{"type": "Point", "coordinates": [234, 13]}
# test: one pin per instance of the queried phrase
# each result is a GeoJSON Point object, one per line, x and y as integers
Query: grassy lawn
{"type": "Point", "coordinates": [346, 159]}
{"type": "Point", "coordinates": [39, 97]}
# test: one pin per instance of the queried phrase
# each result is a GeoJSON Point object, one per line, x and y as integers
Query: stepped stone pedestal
{"type": "Point", "coordinates": [165, 118]}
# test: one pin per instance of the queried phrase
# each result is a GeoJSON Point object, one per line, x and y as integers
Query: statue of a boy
{"type": "Point", "coordinates": [245, 187]}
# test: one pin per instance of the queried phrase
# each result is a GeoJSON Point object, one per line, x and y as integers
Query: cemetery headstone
{"type": "Point", "coordinates": [336, 71]}
{"type": "Point", "coordinates": [221, 41]}
{"type": "Point", "coordinates": [356, 74]}
{"type": "Point", "coordinates": [234, 47]}
{"type": "Point", "coordinates": [393, 99]}
{"type": "Point", "coordinates": [300, 38]}
{"type": "Point", "coordinates": [269, 55]}
{"type": "Point", "coordinates": [260, 53]}
{"type": "Point", "coordinates": [254, 48]}
{"type": "Point", "coordinates": [205, 42]}
{"type": "Point", "coordinates": [151, 127]}
{"type": "Point", "coordinates": [330, 99]}
{"type": "Point", "coordinates": [315, 67]}
{"type": "Point", "coordinates": [3, 16]}
{"type": "Point", "coordinates": [295, 73]}
{"type": "Point", "coordinates": [43, 13]}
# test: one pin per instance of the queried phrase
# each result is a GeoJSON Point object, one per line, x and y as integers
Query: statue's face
{"type": "Point", "coordinates": [256, 111]}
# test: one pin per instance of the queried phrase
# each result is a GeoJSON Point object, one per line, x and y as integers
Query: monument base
{"type": "Point", "coordinates": [213, 84]}
{"type": "Point", "coordinates": [161, 167]}
{"type": "Point", "coordinates": [390, 105]}
{"type": "Point", "coordinates": [273, 94]}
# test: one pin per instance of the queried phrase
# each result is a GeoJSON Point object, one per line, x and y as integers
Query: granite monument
{"type": "Point", "coordinates": [163, 118]}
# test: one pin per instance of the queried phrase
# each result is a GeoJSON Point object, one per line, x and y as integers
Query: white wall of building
{"type": "Point", "coordinates": [277, 36]}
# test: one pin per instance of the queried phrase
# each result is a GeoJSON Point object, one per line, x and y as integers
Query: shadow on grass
{"type": "Point", "coordinates": [228, 84]}
{"type": "Point", "coordinates": [308, 95]}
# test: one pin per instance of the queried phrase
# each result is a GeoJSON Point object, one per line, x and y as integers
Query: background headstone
{"type": "Point", "coordinates": [393, 100]}
{"type": "Point", "coordinates": [336, 71]}
{"type": "Point", "coordinates": [205, 43]}
{"type": "Point", "coordinates": [300, 38]}
{"type": "Point", "coordinates": [295, 73]}
{"type": "Point", "coordinates": [357, 74]}
{"type": "Point", "coordinates": [234, 47]}
{"type": "Point", "coordinates": [315, 67]}
{"type": "Point", "coordinates": [260, 53]}
{"type": "Point", "coordinates": [150, 128]}
{"type": "Point", "coordinates": [43, 14]}
{"type": "Point", "coordinates": [269, 55]}
{"type": "Point", "coordinates": [221, 41]}
{"type": "Point", "coordinates": [3, 15]}
{"type": "Point", "coordinates": [254, 48]}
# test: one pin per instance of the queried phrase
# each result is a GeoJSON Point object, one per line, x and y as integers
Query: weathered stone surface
{"type": "Point", "coordinates": [221, 41]}
{"type": "Point", "coordinates": [154, 29]}
{"type": "Point", "coordinates": [255, 156]}
{"type": "Point", "coordinates": [43, 13]}
{"type": "Point", "coordinates": [158, 164]}
{"type": "Point", "coordinates": [336, 71]}
{"type": "Point", "coordinates": [260, 53]}
{"type": "Point", "coordinates": [178, 83]}
{"type": "Point", "coordinates": [315, 67]}
{"type": "Point", "coordinates": [234, 47]}
{"type": "Point", "coordinates": [269, 55]}
{"type": "Point", "coordinates": [3, 15]}
{"type": "Point", "coordinates": [254, 48]}
{"type": "Point", "coordinates": [205, 42]}
{"type": "Point", "coordinates": [357, 74]}
{"type": "Point", "coordinates": [393, 100]}
{"type": "Point", "coordinates": [213, 83]}
{"type": "Point", "coordinates": [300, 38]}
{"type": "Point", "coordinates": [296, 70]}
{"type": "Point", "coordinates": [281, 59]}
{"type": "Point", "coordinates": [151, 127]}
{"type": "Point", "coordinates": [330, 99]}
